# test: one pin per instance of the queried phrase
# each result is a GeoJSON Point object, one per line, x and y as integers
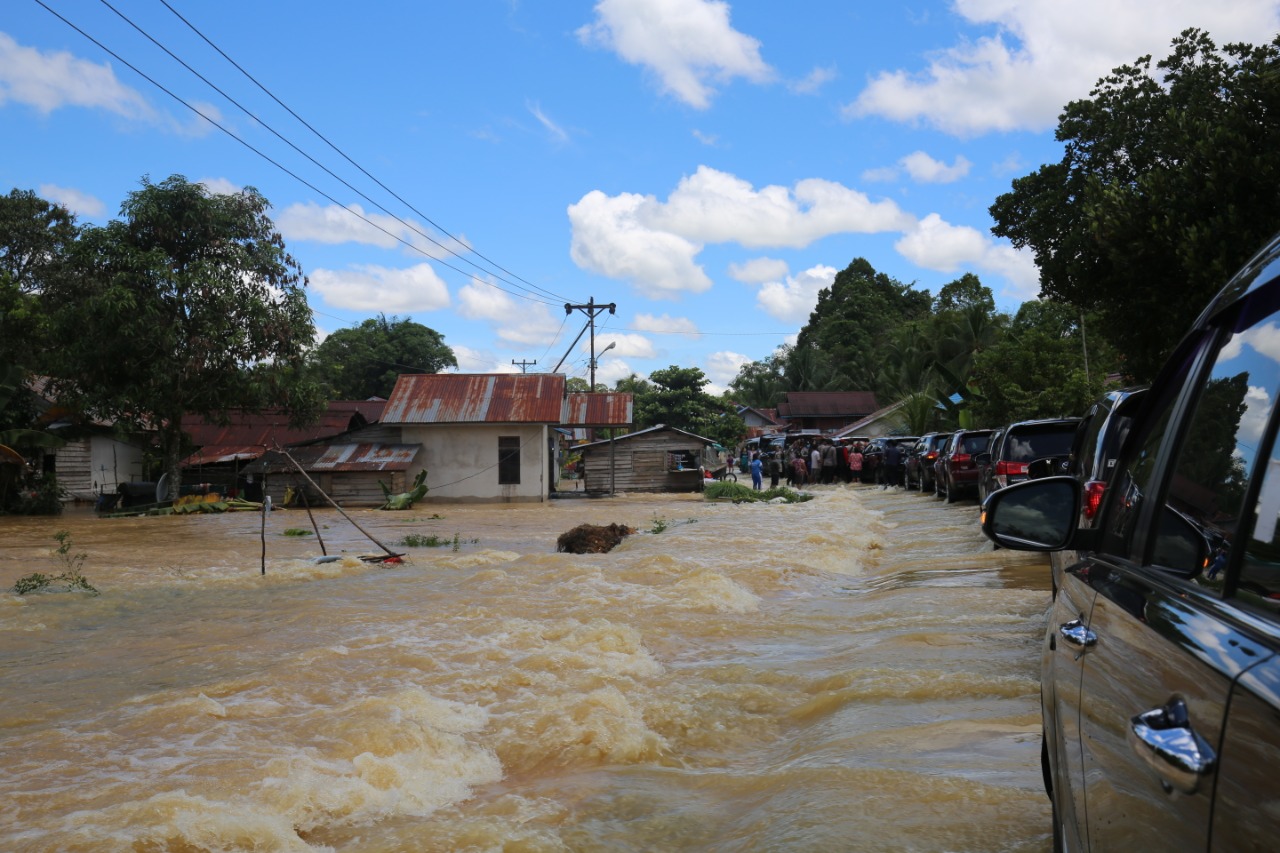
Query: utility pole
{"type": "Point", "coordinates": [524, 365]}
{"type": "Point", "coordinates": [592, 310]}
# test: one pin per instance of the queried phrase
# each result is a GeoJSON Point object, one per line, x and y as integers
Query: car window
{"type": "Point", "coordinates": [1206, 495]}
{"type": "Point", "coordinates": [975, 443]}
{"type": "Point", "coordinates": [1031, 444]}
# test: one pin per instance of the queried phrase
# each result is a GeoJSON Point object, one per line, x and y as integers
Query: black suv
{"type": "Point", "coordinates": [1016, 446]}
{"type": "Point", "coordinates": [1160, 683]}
{"type": "Point", "coordinates": [918, 463]}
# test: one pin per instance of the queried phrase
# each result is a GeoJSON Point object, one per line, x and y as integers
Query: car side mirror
{"type": "Point", "coordinates": [1034, 515]}
{"type": "Point", "coordinates": [982, 458]}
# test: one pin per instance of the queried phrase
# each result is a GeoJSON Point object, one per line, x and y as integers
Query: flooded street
{"type": "Point", "coordinates": [859, 672]}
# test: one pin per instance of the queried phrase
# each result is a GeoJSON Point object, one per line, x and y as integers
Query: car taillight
{"type": "Point", "coordinates": [1006, 469]}
{"type": "Point", "coordinates": [1093, 497]}
{"type": "Point", "coordinates": [960, 457]}
{"type": "Point", "coordinates": [931, 456]}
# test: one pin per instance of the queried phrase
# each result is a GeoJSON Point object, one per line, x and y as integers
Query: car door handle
{"type": "Point", "coordinates": [1164, 739]}
{"type": "Point", "coordinates": [1075, 633]}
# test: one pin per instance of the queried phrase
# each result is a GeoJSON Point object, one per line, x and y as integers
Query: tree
{"type": "Point", "coordinates": [188, 304]}
{"type": "Point", "coordinates": [1037, 370]}
{"type": "Point", "coordinates": [364, 361]}
{"type": "Point", "coordinates": [838, 349]}
{"type": "Point", "coordinates": [760, 383]}
{"type": "Point", "coordinates": [1168, 183]}
{"type": "Point", "coordinates": [674, 396]}
{"type": "Point", "coordinates": [36, 237]}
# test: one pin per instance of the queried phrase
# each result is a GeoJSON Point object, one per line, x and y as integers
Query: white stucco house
{"type": "Point", "coordinates": [490, 437]}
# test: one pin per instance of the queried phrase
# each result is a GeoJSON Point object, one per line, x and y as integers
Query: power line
{"type": "Point", "coordinates": [343, 154]}
{"type": "Point", "coordinates": [313, 160]}
{"type": "Point", "coordinates": [279, 166]}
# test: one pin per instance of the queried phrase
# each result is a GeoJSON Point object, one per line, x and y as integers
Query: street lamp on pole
{"type": "Point", "coordinates": [595, 360]}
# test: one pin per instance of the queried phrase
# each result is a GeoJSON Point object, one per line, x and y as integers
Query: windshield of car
{"type": "Point", "coordinates": [1028, 444]}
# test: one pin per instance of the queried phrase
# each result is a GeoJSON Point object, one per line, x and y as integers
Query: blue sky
{"type": "Point", "coordinates": [707, 166]}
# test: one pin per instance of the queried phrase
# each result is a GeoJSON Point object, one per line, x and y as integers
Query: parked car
{"type": "Point", "coordinates": [1019, 445]}
{"type": "Point", "coordinates": [918, 468]}
{"type": "Point", "coordinates": [956, 469]}
{"type": "Point", "coordinates": [873, 455]}
{"type": "Point", "coordinates": [1160, 685]}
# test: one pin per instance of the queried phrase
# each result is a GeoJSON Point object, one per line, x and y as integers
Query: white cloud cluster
{"type": "Point", "coordinates": [49, 81]}
{"type": "Point", "coordinates": [925, 170]}
{"type": "Point", "coordinates": [1045, 53]}
{"type": "Point", "coordinates": [938, 245]}
{"type": "Point", "coordinates": [79, 203]}
{"type": "Point", "coordinates": [759, 270]}
{"type": "Point", "coordinates": [375, 288]}
{"type": "Point", "coordinates": [518, 322]}
{"type": "Point", "coordinates": [792, 299]}
{"type": "Point", "coordinates": [688, 44]}
{"type": "Point", "coordinates": [723, 367]}
{"type": "Point", "coordinates": [665, 324]}
{"type": "Point", "coordinates": [333, 224]}
{"type": "Point", "coordinates": [655, 244]}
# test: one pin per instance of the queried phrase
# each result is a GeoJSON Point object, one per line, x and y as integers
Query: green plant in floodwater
{"type": "Point", "coordinates": [432, 540]}
{"type": "Point", "coordinates": [739, 493]}
{"type": "Point", "coordinates": [71, 575]}
{"type": "Point", "coordinates": [659, 525]}
{"type": "Point", "coordinates": [297, 531]}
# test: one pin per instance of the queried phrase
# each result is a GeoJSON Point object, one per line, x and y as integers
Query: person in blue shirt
{"type": "Point", "coordinates": [757, 472]}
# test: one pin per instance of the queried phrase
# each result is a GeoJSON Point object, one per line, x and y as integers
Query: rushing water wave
{"type": "Point", "coordinates": [859, 672]}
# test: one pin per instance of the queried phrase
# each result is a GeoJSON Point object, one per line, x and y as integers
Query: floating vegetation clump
{"type": "Point", "coordinates": [418, 540]}
{"type": "Point", "coordinates": [593, 538]}
{"type": "Point", "coordinates": [70, 577]}
{"type": "Point", "coordinates": [739, 493]}
{"type": "Point", "coordinates": [297, 531]}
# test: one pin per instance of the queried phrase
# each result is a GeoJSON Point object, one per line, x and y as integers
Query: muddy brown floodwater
{"type": "Point", "coordinates": [859, 672]}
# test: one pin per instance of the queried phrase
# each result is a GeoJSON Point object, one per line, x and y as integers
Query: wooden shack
{"type": "Point", "coordinates": [658, 459]}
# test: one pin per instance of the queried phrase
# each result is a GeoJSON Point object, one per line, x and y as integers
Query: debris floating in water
{"type": "Point", "coordinates": [592, 538]}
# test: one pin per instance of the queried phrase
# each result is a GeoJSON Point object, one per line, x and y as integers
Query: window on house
{"type": "Point", "coordinates": [508, 460]}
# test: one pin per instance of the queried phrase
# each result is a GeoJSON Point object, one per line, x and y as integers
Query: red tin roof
{"type": "Point", "coordinates": [464, 398]}
{"type": "Point", "coordinates": [609, 409]}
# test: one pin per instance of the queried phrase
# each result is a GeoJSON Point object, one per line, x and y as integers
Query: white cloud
{"type": "Point", "coordinates": [518, 322]}
{"type": "Point", "coordinates": [815, 80]}
{"type": "Point", "coordinates": [708, 139]}
{"type": "Point", "coordinates": [220, 186]}
{"type": "Point", "coordinates": [711, 206]}
{"type": "Point", "coordinates": [334, 224]}
{"type": "Point", "coordinates": [79, 203]}
{"type": "Point", "coordinates": [50, 81]}
{"type": "Point", "coordinates": [938, 245]}
{"type": "Point", "coordinates": [922, 169]}
{"type": "Point", "coordinates": [925, 170]}
{"type": "Point", "coordinates": [557, 132]}
{"type": "Point", "coordinates": [666, 324]}
{"type": "Point", "coordinates": [792, 299]}
{"type": "Point", "coordinates": [479, 361]}
{"type": "Point", "coordinates": [654, 244]}
{"type": "Point", "coordinates": [1043, 54]}
{"type": "Point", "coordinates": [723, 367]}
{"type": "Point", "coordinates": [609, 239]}
{"type": "Point", "coordinates": [759, 270]}
{"type": "Point", "coordinates": [624, 345]}
{"type": "Point", "coordinates": [610, 370]}
{"type": "Point", "coordinates": [374, 288]}
{"type": "Point", "coordinates": [688, 44]}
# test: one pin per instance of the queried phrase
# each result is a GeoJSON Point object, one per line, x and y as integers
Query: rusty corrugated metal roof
{"type": "Point", "coordinates": [216, 454]}
{"type": "Point", "coordinates": [492, 398]}
{"type": "Point", "coordinates": [271, 427]}
{"type": "Point", "coordinates": [338, 458]}
{"type": "Point", "coordinates": [611, 409]}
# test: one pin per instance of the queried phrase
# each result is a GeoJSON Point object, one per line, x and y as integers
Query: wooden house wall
{"type": "Point", "coordinates": [347, 488]}
{"type": "Point", "coordinates": [640, 465]}
{"type": "Point", "coordinates": [73, 464]}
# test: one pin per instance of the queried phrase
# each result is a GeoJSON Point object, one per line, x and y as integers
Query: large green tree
{"type": "Point", "coordinates": [187, 304]}
{"type": "Point", "coordinates": [1042, 367]}
{"type": "Point", "coordinates": [675, 396]}
{"type": "Point", "coordinates": [36, 239]}
{"type": "Point", "coordinates": [839, 348]}
{"type": "Point", "coordinates": [1169, 181]}
{"type": "Point", "coordinates": [364, 361]}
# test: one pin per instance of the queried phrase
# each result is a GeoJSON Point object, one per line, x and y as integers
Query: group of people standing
{"type": "Point", "coordinates": [806, 463]}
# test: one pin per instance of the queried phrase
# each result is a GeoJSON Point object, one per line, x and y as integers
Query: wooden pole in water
{"type": "Point", "coordinates": [334, 503]}
{"type": "Point", "coordinates": [266, 508]}
{"type": "Point", "coordinates": [314, 526]}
